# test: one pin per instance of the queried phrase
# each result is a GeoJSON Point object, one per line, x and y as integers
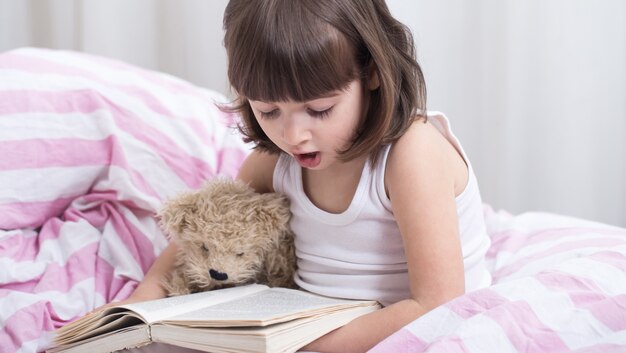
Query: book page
{"type": "Point", "coordinates": [106, 324]}
{"type": "Point", "coordinates": [264, 308]}
{"type": "Point", "coordinates": [127, 337]}
{"type": "Point", "coordinates": [160, 309]}
{"type": "Point", "coordinates": [111, 319]}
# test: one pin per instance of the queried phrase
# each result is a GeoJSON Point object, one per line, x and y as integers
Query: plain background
{"type": "Point", "coordinates": [535, 89]}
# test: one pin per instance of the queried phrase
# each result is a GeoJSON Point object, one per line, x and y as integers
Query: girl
{"type": "Point", "coordinates": [385, 204]}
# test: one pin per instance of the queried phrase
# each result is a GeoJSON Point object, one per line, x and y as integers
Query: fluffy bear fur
{"type": "Point", "coordinates": [228, 235]}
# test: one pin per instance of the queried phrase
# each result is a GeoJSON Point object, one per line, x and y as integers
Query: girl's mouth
{"type": "Point", "coordinates": [308, 160]}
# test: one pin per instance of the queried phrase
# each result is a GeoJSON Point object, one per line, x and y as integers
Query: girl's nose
{"type": "Point", "coordinates": [295, 132]}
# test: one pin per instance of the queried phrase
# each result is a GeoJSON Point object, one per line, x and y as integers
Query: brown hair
{"type": "Point", "coordinates": [299, 50]}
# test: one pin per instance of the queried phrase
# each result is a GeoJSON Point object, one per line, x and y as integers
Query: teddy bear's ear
{"type": "Point", "coordinates": [175, 214]}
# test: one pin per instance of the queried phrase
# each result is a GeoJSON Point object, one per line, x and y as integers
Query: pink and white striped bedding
{"type": "Point", "coordinates": [89, 148]}
{"type": "Point", "coordinates": [559, 286]}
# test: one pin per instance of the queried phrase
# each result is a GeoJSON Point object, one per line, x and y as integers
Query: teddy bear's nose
{"type": "Point", "coordinates": [216, 275]}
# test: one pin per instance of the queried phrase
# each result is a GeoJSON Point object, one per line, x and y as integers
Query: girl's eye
{"type": "Point", "coordinates": [240, 254]}
{"type": "Point", "coordinates": [320, 113]}
{"type": "Point", "coordinates": [269, 115]}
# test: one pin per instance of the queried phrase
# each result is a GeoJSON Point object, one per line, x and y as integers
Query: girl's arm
{"type": "Point", "coordinates": [424, 173]}
{"type": "Point", "coordinates": [150, 286]}
{"type": "Point", "coordinates": [258, 171]}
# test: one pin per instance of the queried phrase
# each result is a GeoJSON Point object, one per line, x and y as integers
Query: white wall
{"type": "Point", "coordinates": [535, 89]}
{"type": "Point", "coordinates": [181, 37]}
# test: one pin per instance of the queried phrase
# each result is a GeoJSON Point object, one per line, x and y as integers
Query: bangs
{"type": "Point", "coordinates": [287, 53]}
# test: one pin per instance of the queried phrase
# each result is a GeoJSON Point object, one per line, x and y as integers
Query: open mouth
{"type": "Point", "coordinates": [308, 160]}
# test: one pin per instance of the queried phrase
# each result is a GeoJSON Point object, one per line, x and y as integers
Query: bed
{"type": "Point", "coordinates": [559, 286]}
{"type": "Point", "coordinates": [90, 147]}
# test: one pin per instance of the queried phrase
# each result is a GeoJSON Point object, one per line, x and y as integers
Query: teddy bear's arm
{"type": "Point", "coordinates": [176, 283]}
{"type": "Point", "coordinates": [280, 267]}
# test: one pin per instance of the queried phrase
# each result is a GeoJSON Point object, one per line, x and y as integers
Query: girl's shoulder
{"type": "Point", "coordinates": [420, 139]}
{"type": "Point", "coordinates": [258, 170]}
{"type": "Point", "coordinates": [424, 150]}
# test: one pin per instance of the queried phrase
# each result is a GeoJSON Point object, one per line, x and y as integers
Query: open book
{"type": "Point", "coordinates": [252, 318]}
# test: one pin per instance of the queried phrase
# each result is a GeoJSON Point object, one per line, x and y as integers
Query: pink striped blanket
{"type": "Point", "coordinates": [90, 147]}
{"type": "Point", "coordinates": [559, 286]}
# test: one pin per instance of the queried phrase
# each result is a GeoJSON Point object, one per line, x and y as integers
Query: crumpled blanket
{"type": "Point", "coordinates": [89, 149]}
{"type": "Point", "coordinates": [559, 286]}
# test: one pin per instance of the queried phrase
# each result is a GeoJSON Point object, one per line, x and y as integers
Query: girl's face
{"type": "Point", "coordinates": [313, 131]}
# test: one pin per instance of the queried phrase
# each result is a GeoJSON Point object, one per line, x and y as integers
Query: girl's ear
{"type": "Point", "coordinates": [372, 77]}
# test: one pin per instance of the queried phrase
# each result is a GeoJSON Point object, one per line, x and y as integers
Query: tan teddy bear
{"type": "Point", "coordinates": [228, 235]}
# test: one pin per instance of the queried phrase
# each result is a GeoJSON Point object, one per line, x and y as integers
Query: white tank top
{"type": "Point", "coordinates": [359, 253]}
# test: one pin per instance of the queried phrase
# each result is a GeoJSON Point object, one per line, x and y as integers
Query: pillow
{"type": "Point", "coordinates": [73, 123]}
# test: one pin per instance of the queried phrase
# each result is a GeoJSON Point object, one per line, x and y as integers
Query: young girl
{"type": "Point", "coordinates": [385, 203]}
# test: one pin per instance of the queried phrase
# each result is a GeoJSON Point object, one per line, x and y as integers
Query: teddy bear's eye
{"type": "Point", "coordinates": [205, 248]}
{"type": "Point", "coordinates": [240, 254]}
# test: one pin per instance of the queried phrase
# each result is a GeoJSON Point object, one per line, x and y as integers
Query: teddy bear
{"type": "Point", "coordinates": [228, 235]}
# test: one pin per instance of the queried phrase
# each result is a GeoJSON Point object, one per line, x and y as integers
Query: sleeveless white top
{"type": "Point", "coordinates": [359, 253]}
